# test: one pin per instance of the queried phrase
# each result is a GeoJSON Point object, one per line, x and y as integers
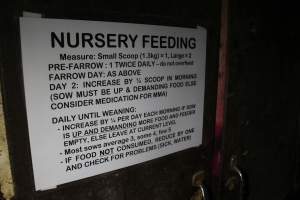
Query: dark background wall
{"type": "Point", "coordinates": [264, 95]}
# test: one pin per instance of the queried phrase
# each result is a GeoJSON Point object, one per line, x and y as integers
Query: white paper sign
{"type": "Point", "coordinates": [101, 96]}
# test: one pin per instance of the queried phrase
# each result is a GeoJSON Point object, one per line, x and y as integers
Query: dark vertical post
{"type": "Point", "coordinates": [221, 99]}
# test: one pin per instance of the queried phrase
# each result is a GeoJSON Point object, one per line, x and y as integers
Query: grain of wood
{"type": "Point", "coordinates": [6, 183]}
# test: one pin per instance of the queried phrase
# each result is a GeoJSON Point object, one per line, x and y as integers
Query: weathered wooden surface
{"type": "Point", "coordinates": [6, 182]}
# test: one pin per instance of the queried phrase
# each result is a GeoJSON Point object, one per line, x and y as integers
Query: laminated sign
{"type": "Point", "coordinates": [101, 96]}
